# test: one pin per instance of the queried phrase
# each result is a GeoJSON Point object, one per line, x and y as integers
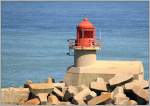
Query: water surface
{"type": "Point", "coordinates": [34, 36]}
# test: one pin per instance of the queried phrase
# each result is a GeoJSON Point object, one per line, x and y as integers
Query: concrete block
{"type": "Point", "coordinates": [57, 93]}
{"type": "Point", "coordinates": [26, 85]}
{"type": "Point", "coordinates": [99, 79]}
{"type": "Point", "coordinates": [99, 99]}
{"type": "Point", "coordinates": [90, 96]}
{"type": "Point", "coordinates": [82, 94]}
{"type": "Point", "coordinates": [143, 84]}
{"type": "Point", "coordinates": [64, 103]}
{"type": "Point", "coordinates": [59, 85]}
{"type": "Point", "coordinates": [22, 101]}
{"type": "Point", "coordinates": [49, 80]}
{"type": "Point", "coordinates": [34, 101]}
{"type": "Point", "coordinates": [81, 87]}
{"type": "Point", "coordinates": [119, 79]}
{"type": "Point", "coordinates": [42, 97]}
{"type": "Point", "coordinates": [139, 91]}
{"type": "Point", "coordinates": [64, 89]}
{"type": "Point", "coordinates": [132, 102]}
{"type": "Point", "coordinates": [101, 86]}
{"type": "Point", "coordinates": [116, 91]}
{"type": "Point", "coordinates": [40, 88]}
{"type": "Point", "coordinates": [52, 99]}
{"type": "Point", "coordinates": [119, 97]}
{"type": "Point", "coordinates": [70, 92]}
{"type": "Point", "coordinates": [78, 102]}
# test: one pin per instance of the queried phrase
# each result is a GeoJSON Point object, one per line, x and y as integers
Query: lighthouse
{"type": "Point", "coordinates": [85, 45]}
{"type": "Point", "coordinates": [86, 67]}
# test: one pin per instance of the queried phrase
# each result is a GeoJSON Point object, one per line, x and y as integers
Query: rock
{"type": "Point", "coordinates": [58, 93]}
{"type": "Point", "coordinates": [98, 86]}
{"type": "Point", "coordinates": [100, 99]}
{"type": "Point", "coordinates": [43, 97]}
{"type": "Point", "coordinates": [132, 102]}
{"type": "Point", "coordinates": [142, 93]}
{"type": "Point", "coordinates": [120, 79]}
{"type": "Point", "coordinates": [13, 95]}
{"type": "Point", "coordinates": [52, 99]}
{"type": "Point", "coordinates": [34, 101]}
{"type": "Point", "coordinates": [119, 97]}
{"type": "Point", "coordinates": [142, 83]}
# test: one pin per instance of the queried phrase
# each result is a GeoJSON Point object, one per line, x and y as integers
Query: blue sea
{"type": "Point", "coordinates": [34, 36]}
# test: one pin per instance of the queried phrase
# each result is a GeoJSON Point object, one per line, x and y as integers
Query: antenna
{"type": "Point", "coordinates": [100, 37]}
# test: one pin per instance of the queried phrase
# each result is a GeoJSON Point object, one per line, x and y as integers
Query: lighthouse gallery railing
{"type": "Point", "coordinates": [72, 44]}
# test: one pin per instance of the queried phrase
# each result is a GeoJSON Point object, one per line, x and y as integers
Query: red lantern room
{"type": "Point", "coordinates": [86, 36]}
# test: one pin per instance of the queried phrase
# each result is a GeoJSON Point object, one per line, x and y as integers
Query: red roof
{"type": "Point", "coordinates": [85, 24]}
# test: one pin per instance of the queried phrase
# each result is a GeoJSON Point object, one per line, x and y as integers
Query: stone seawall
{"type": "Point", "coordinates": [119, 90]}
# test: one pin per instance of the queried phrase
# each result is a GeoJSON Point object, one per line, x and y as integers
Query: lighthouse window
{"type": "Point", "coordinates": [81, 34]}
{"type": "Point", "coordinates": [88, 34]}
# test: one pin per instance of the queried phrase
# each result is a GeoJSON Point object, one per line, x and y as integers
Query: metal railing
{"type": "Point", "coordinates": [72, 44]}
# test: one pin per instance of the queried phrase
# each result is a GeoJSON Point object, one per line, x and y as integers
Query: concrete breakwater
{"type": "Point", "coordinates": [119, 90]}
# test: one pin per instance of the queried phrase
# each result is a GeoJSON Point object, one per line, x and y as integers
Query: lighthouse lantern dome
{"type": "Point", "coordinates": [86, 35]}
{"type": "Point", "coordinates": [85, 24]}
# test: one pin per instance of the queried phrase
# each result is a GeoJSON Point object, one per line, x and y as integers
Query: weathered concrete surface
{"type": "Point", "coordinates": [90, 96]}
{"type": "Point", "coordinates": [34, 101]}
{"type": "Point", "coordinates": [99, 99]}
{"type": "Point", "coordinates": [132, 102]}
{"type": "Point", "coordinates": [119, 97]}
{"type": "Point", "coordinates": [70, 92]}
{"type": "Point", "coordinates": [105, 69]}
{"type": "Point", "coordinates": [59, 85]}
{"type": "Point", "coordinates": [78, 101]}
{"type": "Point", "coordinates": [82, 94]}
{"type": "Point", "coordinates": [141, 92]}
{"type": "Point", "coordinates": [64, 103]}
{"type": "Point", "coordinates": [40, 88]}
{"type": "Point", "coordinates": [142, 83]}
{"type": "Point", "coordinates": [26, 85]}
{"type": "Point", "coordinates": [99, 86]}
{"type": "Point", "coordinates": [58, 93]}
{"type": "Point", "coordinates": [49, 80]}
{"type": "Point", "coordinates": [22, 101]}
{"type": "Point", "coordinates": [99, 79]}
{"type": "Point", "coordinates": [120, 79]}
{"type": "Point", "coordinates": [13, 95]}
{"type": "Point", "coordinates": [52, 99]}
{"type": "Point", "coordinates": [42, 97]}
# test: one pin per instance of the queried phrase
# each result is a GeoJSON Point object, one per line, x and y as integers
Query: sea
{"type": "Point", "coordinates": [34, 36]}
